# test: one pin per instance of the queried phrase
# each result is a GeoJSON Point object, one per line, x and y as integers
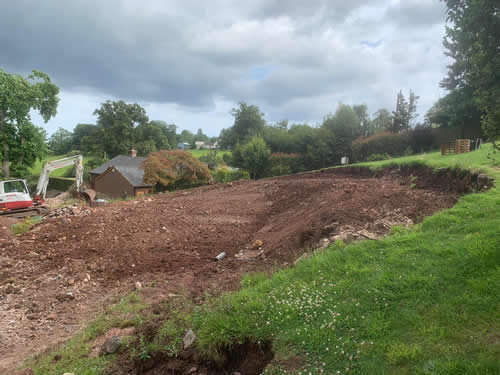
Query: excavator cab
{"type": "Point", "coordinates": [14, 195]}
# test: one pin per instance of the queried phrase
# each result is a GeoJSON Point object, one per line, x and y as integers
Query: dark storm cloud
{"type": "Point", "coordinates": [295, 59]}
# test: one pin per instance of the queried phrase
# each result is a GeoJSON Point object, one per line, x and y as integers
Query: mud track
{"type": "Point", "coordinates": [98, 255]}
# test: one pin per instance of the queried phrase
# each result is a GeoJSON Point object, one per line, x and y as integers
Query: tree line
{"type": "Point", "coordinates": [119, 127]}
{"type": "Point", "coordinates": [471, 108]}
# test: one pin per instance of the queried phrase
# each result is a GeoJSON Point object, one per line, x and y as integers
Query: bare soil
{"type": "Point", "coordinates": [56, 277]}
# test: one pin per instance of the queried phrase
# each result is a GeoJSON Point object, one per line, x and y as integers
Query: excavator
{"type": "Point", "coordinates": [15, 198]}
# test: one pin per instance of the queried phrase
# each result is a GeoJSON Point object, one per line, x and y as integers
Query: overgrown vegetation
{"type": "Point", "coordinates": [225, 175]}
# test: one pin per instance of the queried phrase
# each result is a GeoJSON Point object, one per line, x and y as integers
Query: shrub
{"type": "Point", "coordinates": [381, 143]}
{"type": "Point", "coordinates": [421, 139]}
{"type": "Point", "coordinates": [175, 169]}
{"type": "Point", "coordinates": [212, 159]}
{"type": "Point", "coordinates": [253, 156]}
{"type": "Point", "coordinates": [224, 175]}
{"type": "Point", "coordinates": [283, 164]}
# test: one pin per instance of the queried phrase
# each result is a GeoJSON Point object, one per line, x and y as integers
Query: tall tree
{"type": "Point", "coordinates": [400, 116]}
{"type": "Point", "coordinates": [151, 137]}
{"type": "Point", "coordinates": [116, 122]}
{"type": "Point", "coordinates": [412, 109]}
{"type": "Point", "coordinates": [365, 124]}
{"type": "Point", "coordinates": [248, 122]}
{"type": "Point", "coordinates": [28, 145]}
{"type": "Point", "coordinates": [457, 110]}
{"type": "Point", "coordinates": [186, 137]}
{"type": "Point", "coordinates": [382, 121]}
{"type": "Point", "coordinates": [61, 142]}
{"type": "Point", "coordinates": [84, 138]}
{"type": "Point", "coordinates": [345, 124]}
{"type": "Point", "coordinates": [200, 136]}
{"type": "Point", "coordinates": [473, 42]}
{"type": "Point", "coordinates": [18, 96]}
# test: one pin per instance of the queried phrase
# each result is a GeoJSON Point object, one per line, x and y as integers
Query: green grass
{"type": "Point", "coordinates": [200, 153]}
{"type": "Point", "coordinates": [424, 300]}
{"type": "Point", "coordinates": [482, 159]}
{"type": "Point", "coordinates": [74, 355]}
{"type": "Point", "coordinates": [25, 225]}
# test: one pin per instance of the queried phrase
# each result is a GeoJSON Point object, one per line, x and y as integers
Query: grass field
{"type": "Point", "coordinates": [424, 300]}
{"type": "Point", "coordinates": [199, 153]}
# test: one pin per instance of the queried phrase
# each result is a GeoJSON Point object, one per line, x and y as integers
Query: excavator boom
{"type": "Point", "coordinates": [14, 195]}
{"type": "Point", "coordinates": [77, 161]}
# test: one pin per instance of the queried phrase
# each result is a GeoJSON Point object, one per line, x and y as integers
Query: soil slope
{"type": "Point", "coordinates": [57, 276]}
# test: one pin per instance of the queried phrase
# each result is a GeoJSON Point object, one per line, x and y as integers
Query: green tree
{"type": "Point", "coordinates": [382, 121]}
{"type": "Point", "coordinates": [400, 116]}
{"type": "Point", "coordinates": [61, 142]}
{"type": "Point", "coordinates": [457, 110]}
{"type": "Point", "coordinates": [186, 137]}
{"type": "Point", "coordinates": [248, 122]}
{"type": "Point", "coordinates": [28, 145]}
{"type": "Point", "coordinates": [18, 96]}
{"type": "Point", "coordinates": [200, 137]}
{"type": "Point", "coordinates": [254, 157]}
{"type": "Point", "coordinates": [412, 109]}
{"type": "Point", "coordinates": [278, 138]}
{"type": "Point", "coordinates": [365, 123]}
{"type": "Point", "coordinates": [151, 137]}
{"type": "Point", "coordinates": [116, 122]}
{"type": "Point", "coordinates": [344, 124]}
{"type": "Point", "coordinates": [84, 138]}
{"type": "Point", "coordinates": [301, 136]}
{"type": "Point", "coordinates": [473, 43]}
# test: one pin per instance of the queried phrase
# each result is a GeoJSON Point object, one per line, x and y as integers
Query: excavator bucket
{"type": "Point", "coordinates": [88, 195]}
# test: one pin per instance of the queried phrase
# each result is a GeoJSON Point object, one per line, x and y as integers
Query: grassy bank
{"type": "Point", "coordinates": [424, 300]}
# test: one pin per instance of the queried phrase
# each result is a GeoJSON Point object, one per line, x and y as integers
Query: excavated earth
{"type": "Point", "coordinates": [60, 274]}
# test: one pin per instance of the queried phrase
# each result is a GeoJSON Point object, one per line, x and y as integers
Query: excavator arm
{"type": "Point", "coordinates": [50, 166]}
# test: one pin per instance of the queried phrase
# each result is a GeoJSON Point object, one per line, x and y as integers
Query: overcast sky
{"type": "Point", "coordinates": [189, 62]}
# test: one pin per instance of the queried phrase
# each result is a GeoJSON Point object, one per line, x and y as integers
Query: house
{"type": "Point", "coordinates": [210, 145]}
{"type": "Point", "coordinates": [121, 177]}
{"type": "Point", "coordinates": [199, 144]}
{"type": "Point", "coordinates": [183, 146]}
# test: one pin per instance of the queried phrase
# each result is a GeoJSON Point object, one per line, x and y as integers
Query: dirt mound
{"type": "Point", "coordinates": [55, 277]}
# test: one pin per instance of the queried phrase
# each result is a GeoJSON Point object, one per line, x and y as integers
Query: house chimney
{"type": "Point", "coordinates": [133, 153]}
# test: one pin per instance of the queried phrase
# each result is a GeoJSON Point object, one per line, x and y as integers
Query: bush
{"type": "Point", "coordinates": [253, 156]}
{"type": "Point", "coordinates": [225, 175]}
{"type": "Point", "coordinates": [283, 164]}
{"type": "Point", "coordinates": [175, 169]}
{"type": "Point", "coordinates": [421, 139]}
{"type": "Point", "coordinates": [381, 143]}
{"type": "Point", "coordinates": [212, 159]}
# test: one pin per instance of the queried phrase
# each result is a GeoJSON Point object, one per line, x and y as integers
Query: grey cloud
{"type": "Point", "coordinates": [190, 52]}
